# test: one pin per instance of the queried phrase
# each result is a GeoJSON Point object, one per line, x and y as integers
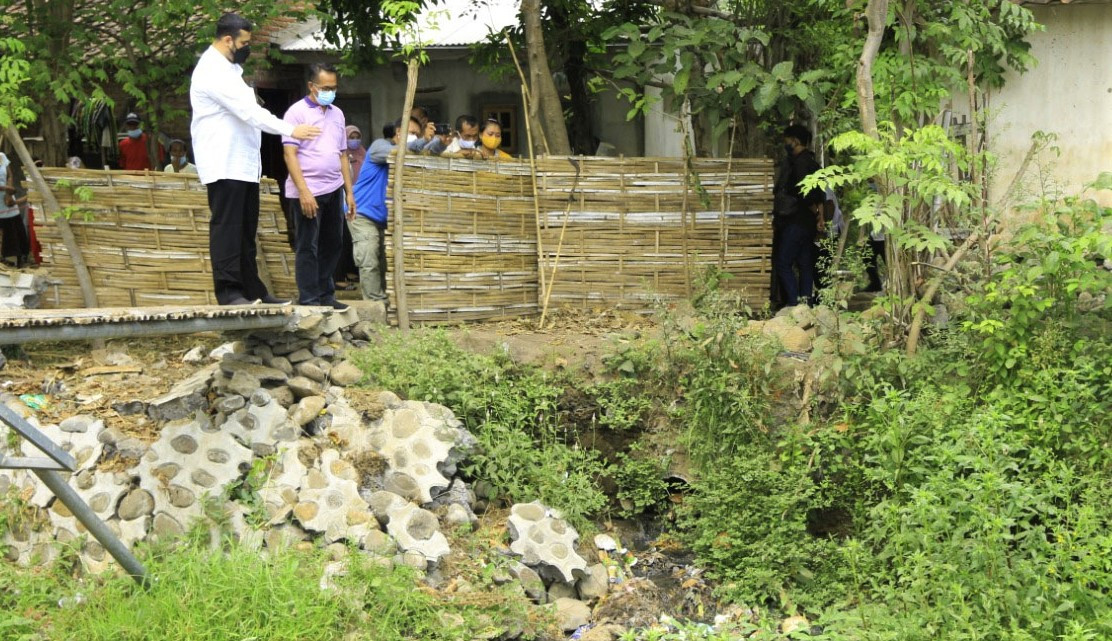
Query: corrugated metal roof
{"type": "Point", "coordinates": [448, 23]}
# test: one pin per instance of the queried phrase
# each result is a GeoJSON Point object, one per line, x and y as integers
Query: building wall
{"type": "Point", "coordinates": [449, 86]}
{"type": "Point", "coordinates": [1069, 94]}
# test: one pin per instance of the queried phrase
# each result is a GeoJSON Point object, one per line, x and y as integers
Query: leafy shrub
{"type": "Point", "coordinates": [526, 452]}
{"type": "Point", "coordinates": [1045, 271]}
{"type": "Point", "coordinates": [640, 479]}
{"type": "Point", "coordinates": [991, 539]}
{"type": "Point", "coordinates": [747, 522]}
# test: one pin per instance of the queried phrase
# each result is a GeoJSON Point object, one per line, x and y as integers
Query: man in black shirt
{"type": "Point", "coordinates": [797, 217]}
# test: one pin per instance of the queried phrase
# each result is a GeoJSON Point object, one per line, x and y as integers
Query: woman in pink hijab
{"type": "Point", "coordinates": [356, 153]}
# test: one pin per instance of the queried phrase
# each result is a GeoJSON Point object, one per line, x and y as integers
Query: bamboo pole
{"type": "Point", "coordinates": [536, 197]}
{"type": "Point", "coordinates": [54, 210]}
{"type": "Point", "coordinates": [528, 97]}
{"type": "Point", "coordinates": [560, 244]}
{"type": "Point", "coordinates": [399, 215]}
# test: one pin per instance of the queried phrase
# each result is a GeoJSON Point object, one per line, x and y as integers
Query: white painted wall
{"type": "Point", "coordinates": [1069, 93]}
{"type": "Point", "coordinates": [375, 96]}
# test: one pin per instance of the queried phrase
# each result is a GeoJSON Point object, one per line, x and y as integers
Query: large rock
{"type": "Point", "coordinates": [571, 614]}
{"type": "Point", "coordinates": [262, 373]}
{"type": "Point", "coordinates": [307, 409]}
{"type": "Point", "coordinates": [302, 387]}
{"type": "Point", "coordinates": [607, 632]}
{"type": "Point", "coordinates": [595, 584]}
{"type": "Point", "coordinates": [136, 503]}
{"type": "Point", "coordinates": [184, 398]}
{"type": "Point", "coordinates": [415, 439]}
{"type": "Point", "coordinates": [542, 538]}
{"type": "Point", "coordinates": [345, 373]}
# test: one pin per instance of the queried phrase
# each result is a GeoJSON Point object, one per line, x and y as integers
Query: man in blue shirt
{"type": "Point", "coordinates": [368, 228]}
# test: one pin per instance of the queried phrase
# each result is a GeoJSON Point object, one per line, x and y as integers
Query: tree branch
{"type": "Point", "coordinates": [877, 15]}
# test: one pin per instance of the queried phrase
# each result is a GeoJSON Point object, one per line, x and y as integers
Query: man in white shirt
{"type": "Point", "coordinates": [226, 129]}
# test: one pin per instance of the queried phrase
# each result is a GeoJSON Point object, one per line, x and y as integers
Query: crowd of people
{"type": "Point", "coordinates": [336, 187]}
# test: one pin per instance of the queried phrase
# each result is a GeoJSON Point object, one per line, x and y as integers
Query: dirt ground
{"type": "Point", "coordinates": [66, 378]}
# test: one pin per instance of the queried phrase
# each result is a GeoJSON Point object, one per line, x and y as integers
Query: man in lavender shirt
{"type": "Point", "coordinates": [318, 186]}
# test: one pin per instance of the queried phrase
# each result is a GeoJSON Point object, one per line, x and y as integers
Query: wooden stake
{"type": "Point", "coordinates": [536, 197]}
{"type": "Point", "coordinates": [560, 244]}
{"type": "Point", "coordinates": [54, 210]}
{"type": "Point", "coordinates": [399, 215]}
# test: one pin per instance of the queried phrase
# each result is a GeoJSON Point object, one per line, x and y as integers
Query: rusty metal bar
{"type": "Point", "coordinates": [94, 525]}
{"type": "Point", "coordinates": [29, 463]}
{"type": "Point", "coordinates": [134, 329]}
{"type": "Point", "coordinates": [37, 438]}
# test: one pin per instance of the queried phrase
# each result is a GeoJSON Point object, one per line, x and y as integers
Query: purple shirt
{"type": "Point", "coordinates": [320, 157]}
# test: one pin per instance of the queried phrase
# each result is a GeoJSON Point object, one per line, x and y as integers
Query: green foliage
{"type": "Point", "coordinates": [747, 522]}
{"type": "Point", "coordinates": [728, 382]}
{"type": "Point", "coordinates": [622, 403]}
{"type": "Point", "coordinates": [640, 479]}
{"type": "Point", "coordinates": [981, 532]}
{"type": "Point", "coordinates": [527, 452]}
{"type": "Point", "coordinates": [1050, 269]}
{"type": "Point", "coordinates": [750, 76]}
{"type": "Point", "coordinates": [15, 102]}
{"type": "Point", "coordinates": [204, 594]}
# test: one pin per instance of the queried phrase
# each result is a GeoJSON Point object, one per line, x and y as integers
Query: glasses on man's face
{"type": "Point", "coordinates": [320, 88]}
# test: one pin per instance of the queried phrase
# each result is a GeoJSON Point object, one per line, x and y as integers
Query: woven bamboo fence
{"type": "Point", "coordinates": [470, 240]}
{"type": "Point", "coordinates": [145, 239]}
{"type": "Point", "coordinates": [638, 230]}
{"type": "Point", "coordinates": [619, 232]}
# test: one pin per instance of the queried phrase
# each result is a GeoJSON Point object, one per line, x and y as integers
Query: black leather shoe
{"type": "Point", "coordinates": [338, 306]}
{"type": "Point", "coordinates": [271, 299]}
{"type": "Point", "coordinates": [239, 300]}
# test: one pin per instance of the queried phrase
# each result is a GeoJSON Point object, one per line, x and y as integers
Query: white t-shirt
{"type": "Point", "coordinates": [5, 211]}
{"type": "Point", "coordinates": [189, 168]}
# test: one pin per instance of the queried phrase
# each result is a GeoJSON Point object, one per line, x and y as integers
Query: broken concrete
{"type": "Point", "coordinates": [542, 538]}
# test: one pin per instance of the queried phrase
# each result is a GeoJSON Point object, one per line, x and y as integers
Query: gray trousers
{"type": "Point", "coordinates": [368, 242]}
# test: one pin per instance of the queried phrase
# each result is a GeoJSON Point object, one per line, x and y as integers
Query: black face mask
{"type": "Point", "coordinates": [239, 56]}
{"type": "Point", "coordinates": [790, 149]}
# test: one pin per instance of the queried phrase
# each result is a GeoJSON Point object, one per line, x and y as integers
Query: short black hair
{"type": "Point", "coordinates": [230, 24]}
{"type": "Point", "coordinates": [799, 132]}
{"type": "Point", "coordinates": [389, 130]}
{"type": "Point", "coordinates": [316, 68]}
{"type": "Point", "coordinates": [466, 119]}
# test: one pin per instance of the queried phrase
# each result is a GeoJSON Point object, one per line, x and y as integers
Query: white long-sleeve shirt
{"type": "Point", "coordinates": [227, 121]}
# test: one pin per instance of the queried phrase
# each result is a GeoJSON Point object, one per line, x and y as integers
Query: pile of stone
{"type": "Point", "coordinates": [269, 440]}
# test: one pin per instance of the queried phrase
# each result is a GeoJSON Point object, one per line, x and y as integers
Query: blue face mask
{"type": "Point", "coordinates": [354, 143]}
{"type": "Point", "coordinates": [135, 133]}
{"type": "Point", "coordinates": [325, 98]}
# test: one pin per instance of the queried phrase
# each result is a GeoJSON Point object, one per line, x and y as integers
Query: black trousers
{"type": "Point", "coordinates": [235, 219]}
{"type": "Point", "coordinates": [16, 243]}
{"type": "Point", "coordinates": [317, 248]}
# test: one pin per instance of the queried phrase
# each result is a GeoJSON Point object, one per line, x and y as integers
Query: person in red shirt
{"type": "Point", "coordinates": [133, 148]}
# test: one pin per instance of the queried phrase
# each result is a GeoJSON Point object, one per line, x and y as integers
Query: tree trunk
{"type": "Point", "coordinates": [545, 109]}
{"type": "Point", "coordinates": [877, 15]}
{"type": "Point", "coordinates": [58, 23]}
{"type": "Point", "coordinates": [52, 210]}
{"type": "Point", "coordinates": [54, 135]}
{"type": "Point", "coordinates": [573, 53]}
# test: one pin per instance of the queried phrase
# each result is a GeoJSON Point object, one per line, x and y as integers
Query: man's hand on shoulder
{"type": "Point", "coordinates": [305, 132]}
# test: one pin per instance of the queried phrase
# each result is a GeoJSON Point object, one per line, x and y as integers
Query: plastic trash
{"type": "Point", "coordinates": [34, 401]}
